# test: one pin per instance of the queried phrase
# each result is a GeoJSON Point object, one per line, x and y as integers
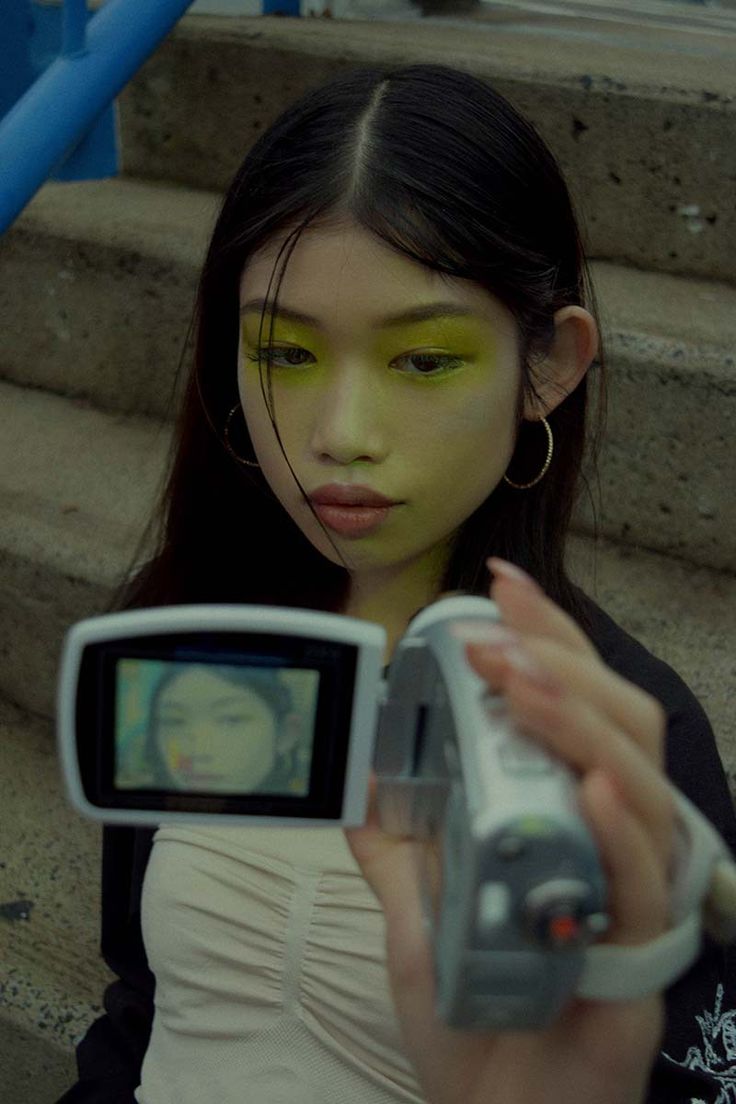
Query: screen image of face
{"type": "Point", "coordinates": [214, 728]}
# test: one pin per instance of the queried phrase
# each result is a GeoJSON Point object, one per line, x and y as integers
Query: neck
{"type": "Point", "coordinates": [392, 596]}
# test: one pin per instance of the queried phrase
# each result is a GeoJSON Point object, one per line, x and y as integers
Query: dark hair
{"type": "Point", "coordinates": [275, 696]}
{"type": "Point", "coordinates": [439, 166]}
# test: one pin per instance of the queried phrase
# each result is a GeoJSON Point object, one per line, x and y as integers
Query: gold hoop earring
{"type": "Point", "coordinates": [229, 447]}
{"type": "Point", "coordinates": [550, 444]}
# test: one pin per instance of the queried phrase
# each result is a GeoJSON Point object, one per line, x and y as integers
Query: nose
{"type": "Point", "coordinates": [350, 416]}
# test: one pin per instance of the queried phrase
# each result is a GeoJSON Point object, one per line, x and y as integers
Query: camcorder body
{"type": "Point", "coordinates": [270, 716]}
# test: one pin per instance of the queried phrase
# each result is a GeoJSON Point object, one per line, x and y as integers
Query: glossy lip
{"type": "Point", "coordinates": [343, 494]}
{"type": "Point", "coordinates": [352, 521]}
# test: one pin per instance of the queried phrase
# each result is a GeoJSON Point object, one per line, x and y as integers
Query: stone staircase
{"type": "Point", "coordinates": [96, 290]}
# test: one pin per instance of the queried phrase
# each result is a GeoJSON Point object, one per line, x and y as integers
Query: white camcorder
{"type": "Point", "coordinates": [270, 716]}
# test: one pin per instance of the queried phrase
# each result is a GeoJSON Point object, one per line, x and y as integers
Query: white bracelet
{"type": "Point", "coordinates": [701, 861]}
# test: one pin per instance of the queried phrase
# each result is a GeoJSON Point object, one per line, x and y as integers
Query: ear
{"type": "Point", "coordinates": [574, 346]}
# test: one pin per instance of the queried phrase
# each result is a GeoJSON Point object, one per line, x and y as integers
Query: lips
{"type": "Point", "coordinates": [335, 494]}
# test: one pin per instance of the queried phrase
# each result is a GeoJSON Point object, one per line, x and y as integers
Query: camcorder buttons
{"type": "Point", "coordinates": [556, 915]}
{"type": "Point", "coordinates": [494, 908]}
{"type": "Point", "coordinates": [520, 833]}
{"type": "Point", "coordinates": [511, 847]}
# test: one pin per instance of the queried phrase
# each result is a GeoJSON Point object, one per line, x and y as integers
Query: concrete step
{"type": "Point", "coordinates": [641, 124]}
{"type": "Point", "coordinates": [75, 489]}
{"type": "Point", "coordinates": [52, 976]}
{"type": "Point", "coordinates": [623, 12]}
{"type": "Point", "coordinates": [615, 21]}
{"type": "Point", "coordinates": [97, 282]}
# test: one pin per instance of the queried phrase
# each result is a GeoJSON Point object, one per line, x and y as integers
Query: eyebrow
{"type": "Point", "coordinates": [414, 314]}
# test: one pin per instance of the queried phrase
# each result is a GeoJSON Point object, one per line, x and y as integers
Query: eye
{"type": "Point", "coordinates": [440, 362]}
{"type": "Point", "coordinates": [270, 353]}
{"type": "Point", "coordinates": [233, 719]}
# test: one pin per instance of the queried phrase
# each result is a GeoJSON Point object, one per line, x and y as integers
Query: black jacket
{"type": "Point", "coordinates": [701, 1020]}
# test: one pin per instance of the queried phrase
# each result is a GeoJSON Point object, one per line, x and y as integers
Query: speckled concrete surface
{"type": "Point", "coordinates": [75, 492]}
{"type": "Point", "coordinates": [644, 136]}
{"type": "Point", "coordinates": [97, 286]}
{"type": "Point", "coordinates": [684, 614]}
{"type": "Point", "coordinates": [668, 466]}
{"type": "Point", "coordinates": [51, 974]}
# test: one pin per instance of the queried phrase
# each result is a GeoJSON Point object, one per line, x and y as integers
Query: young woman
{"type": "Point", "coordinates": [431, 333]}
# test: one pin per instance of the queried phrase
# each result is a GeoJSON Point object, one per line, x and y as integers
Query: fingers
{"type": "Point", "coordinates": [525, 607]}
{"type": "Point", "coordinates": [573, 729]}
{"type": "Point", "coordinates": [560, 691]}
{"type": "Point", "coordinates": [624, 705]}
{"type": "Point", "coordinates": [558, 644]}
{"type": "Point", "coordinates": [629, 863]}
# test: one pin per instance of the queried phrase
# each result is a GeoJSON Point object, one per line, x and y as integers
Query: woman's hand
{"type": "Point", "coordinates": [612, 734]}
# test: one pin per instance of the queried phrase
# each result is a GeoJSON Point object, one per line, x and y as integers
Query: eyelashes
{"type": "Point", "coordinates": [442, 363]}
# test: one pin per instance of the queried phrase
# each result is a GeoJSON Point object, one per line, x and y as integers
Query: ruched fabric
{"type": "Point", "coordinates": [268, 948]}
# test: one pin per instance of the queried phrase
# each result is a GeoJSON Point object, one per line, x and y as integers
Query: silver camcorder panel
{"type": "Point", "coordinates": [512, 887]}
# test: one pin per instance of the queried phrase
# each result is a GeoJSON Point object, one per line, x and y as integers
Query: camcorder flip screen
{"type": "Point", "coordinates": [215, 723]}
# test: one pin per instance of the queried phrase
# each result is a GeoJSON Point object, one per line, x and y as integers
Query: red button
{"type": "Point", "coordinates": [563, 929]}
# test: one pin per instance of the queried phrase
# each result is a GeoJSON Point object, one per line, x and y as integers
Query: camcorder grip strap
{"type": "Point", "coordinates": [702, 863]}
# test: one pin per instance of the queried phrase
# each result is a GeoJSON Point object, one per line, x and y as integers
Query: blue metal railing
{"type": "Point", "coordinates": [74, 42]}
{"type": "Point", "coordinates": [97, 60]}
{"type": "Point", "coordinates": [63, 124]}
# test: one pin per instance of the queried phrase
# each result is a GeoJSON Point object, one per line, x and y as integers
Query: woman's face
{"type": "Point", "coordinates": [214, 735]}
{"type": "Point", "coordinates": [361, 399]}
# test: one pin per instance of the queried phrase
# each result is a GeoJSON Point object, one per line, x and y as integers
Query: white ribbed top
{"type": "Point", "coordinates": [268, 948]}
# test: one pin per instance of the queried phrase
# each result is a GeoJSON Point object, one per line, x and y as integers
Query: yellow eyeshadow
{"type": "Point", "coordinates": [454, 338]}
{"type": "Point", "coordinates": [457, 336]}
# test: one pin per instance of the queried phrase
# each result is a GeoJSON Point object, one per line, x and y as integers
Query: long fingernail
{"type": "Point", "coordinates": [477, 632]}
{"type": "Point", "coordinates": [507, 570]}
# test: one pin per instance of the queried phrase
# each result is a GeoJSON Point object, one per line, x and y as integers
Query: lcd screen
{"type": "Point", "coordinates": [213, 727]}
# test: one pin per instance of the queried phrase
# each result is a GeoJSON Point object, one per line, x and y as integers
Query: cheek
{"type": "Point", "coordinates": [249, 388]}
{"type": "Point", "coordinates": [258, 760]}
{"type": "Point", "coordinates": [286, 399]}
{"type": "Point", "coordinates": [470, 451]}
{"type": "Point", "coordinates": [474, 436]}
{"type": "Point", "coordinates": [257, 418]}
